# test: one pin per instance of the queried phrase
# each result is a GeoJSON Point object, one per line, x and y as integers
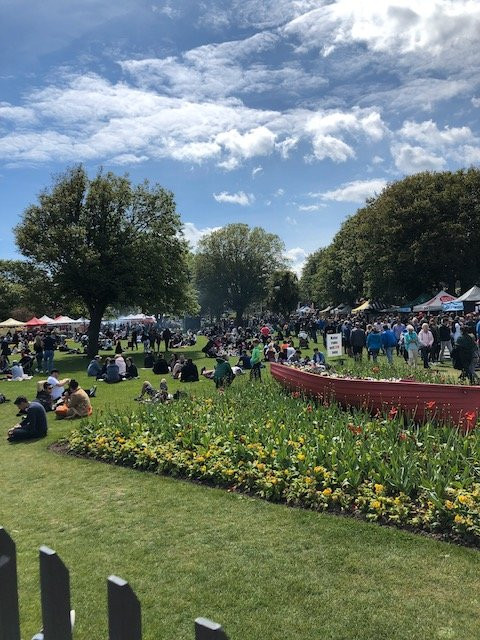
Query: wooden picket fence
{"type": "Point", "coordinates": [124, 613]}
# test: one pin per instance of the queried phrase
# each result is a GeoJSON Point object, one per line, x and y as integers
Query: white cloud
{"type": "Point", "coordinates": [240, 198]}
{"type": "Point", "coordinates": [330, 147]}
{"type": "Point", "coordinates": [434, 27]}
{"type": "Point", "coordinates": [469, 154]}
{"type": "Point", "coordinates": [220, 70]}
{"type": "Point", "coordinates": [296, 258]}
{"type": "Point", "coordinates": [377, 160]}
{"type": "Point", "coordinates": [128, 159]}
{"type": "Point", "coordinates": [428, 133]}
{"type": "Point", "coordinates": [310, 207]}
{"type": "Point", "coordinates": [193, 234]}
{"type": "Point", "coordinates": [257, 170]}
{"type": "Point", "coordinates": [356, 191]}
{"type": "Point", "coordinates": [291, 221]}
{"type": "Point", "coordinates": [411, 159]}
{"type": "Point", "coordinates": [18, 115]}
{"type": "Point", "coordinates": [257, 142]}
{"type": "Point", "coordinates": [279, 193]}
{"type": "Point", "coordinates": [84, 118]}
{"type": "Point", "coordinates": [476, 102]}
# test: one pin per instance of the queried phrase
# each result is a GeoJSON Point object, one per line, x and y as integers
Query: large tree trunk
{"type": "Point", "coordinates": [96, 314]}
{"type": "Point", "coordinates": [239, 317]}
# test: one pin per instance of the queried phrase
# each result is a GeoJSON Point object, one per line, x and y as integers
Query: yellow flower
{"type": "Point", "coordinates": [261, 466]}
{"type": "Point", "coordinates": [376, 504]}
{"type": "Point", "coordinates": [449, 504]}
{"type": "Point", "coordinates": [464, 499]}
{"type": "Point", "coordinates": [229, 472]}
{"type": "Point", "coordinates": [203, 468]}
{"type": "Point", "coordinates": [308, 480]}
{"type": "Point", "coordinates": [200, 459]}
{"type": "Point", "coordinates": [459, 519]}
{"type": "Point", "coordinates": [301, 457]}
{"type": "Point", "coordinates": [379, 488]}
{"type": "Point", "coordinates": [272, 479]}
{"type": "Point", "coordinates": [318, 469]}
{"type": "Point", "coordinates": [327, 491]}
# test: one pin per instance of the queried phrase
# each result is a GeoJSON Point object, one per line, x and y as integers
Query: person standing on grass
{"type": "Point", "coordinates": [358, 340]}
{"type": "Point", "coordinates": [256, 361]}
{"type": "Point", "coordinates": [38, 349]}
{"type": "Point", "coordinates": [48, 352]}
{"type": "Point", "coordinates": [467, 355]}
{"type": "Point", "coordinates": [34, 425]}
{"type": "Point", "coordinates": [411, 344]}
{"type": "Point", "coordinates": [374, 343]}
{"type": "Point", "coordinates": [425, 340]}
{"type": "Point", "coordinates": [398, 328]}
{"type": "Point", "coordinates": [389, 342]}
{"type": "Point", "coordinates": [167, 334]}
{"type": "Point", "coordinates": [445, 335]}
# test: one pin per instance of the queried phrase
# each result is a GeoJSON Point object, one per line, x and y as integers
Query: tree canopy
{"type": "Point", "coordinates": [234, 265]}
{"type": "Point", "coordinates": [420, 234]}
{"type": "Point", "coordinates": [284, 292]}
{"type": "Point", "coordinates": [25, 289]}
{"type": "Point", "coordinates": [107, 242]}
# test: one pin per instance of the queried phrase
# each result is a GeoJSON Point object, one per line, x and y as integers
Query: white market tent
{"type": "Point", "coordinates": [61, 320]}
{"type": "Point", "coordinates": [11, 323]}
{"type": "Point", "coordinates": [342, 309]}
{"type": "Point", "coordinates": [472, 295]}
{"type": "Point", "coordinates": [81, 320]}
{"type": "Point", "coordinates": [46, 319]}
{"type": "Point", "coordinates": [435, 303]}
{"type": "Point", "coordinates": [136, 317]}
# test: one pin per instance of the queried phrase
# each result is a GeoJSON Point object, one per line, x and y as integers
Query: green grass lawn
{"type": "Point", "coordinates": [264, 571]}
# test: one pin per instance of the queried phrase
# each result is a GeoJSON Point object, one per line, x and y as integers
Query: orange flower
{"type": "Point", "coordinates": [431, 404]}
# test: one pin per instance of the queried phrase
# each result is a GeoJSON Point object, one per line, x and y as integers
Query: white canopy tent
{"type": "Point", "coordinates": [472, 295]}
{"type": "Point", "coordinates": [61, 320]}
{"type": "Point", "coordinates": [11, 323]}
{"type": "Point", "coordinates": [435, 303]}
{"type": "Point", "coordinates": [46, 319]}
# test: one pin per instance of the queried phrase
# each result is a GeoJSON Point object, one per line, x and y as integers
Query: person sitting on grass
{"type": "Point", "coordinates": [132, 371]}
{"type": "Point", "coordinates": [151, 394]}
{"type": "Point", "coordinates": [58, 386]}
{"type": "Point", "coordinates": [161, 365]}
{"type": "Point", "coordinates": [318, 357]}
{"type": "Point", "coordinates": [17, 371]}
{"type": "Point", "coordinates": [223, 374]}
{"type": "Point", "coordinates": [244, 361]}
{"type": "Point", "coordinates": [34, 425]}
{"type": "Point", "coordinates": [122, 367]}
{"type": "Point", "coordinates": [44, 396]}
{"type": "Point", "coordinates": [112, 373]}
{"type": "Point", "coordinates": [177, 368]}
{"type": "Point", "coordinates": [94, 369]}
{"type": "Point", "coordinates": [78, 402]}
{"type": "Point", "coordinates": [189, 372]}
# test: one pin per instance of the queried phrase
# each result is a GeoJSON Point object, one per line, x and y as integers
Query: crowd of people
{"type": "Point", "coordinates": [418, 339]}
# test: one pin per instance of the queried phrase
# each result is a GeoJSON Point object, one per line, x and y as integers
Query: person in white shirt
{"type": "Point", "coordinates": [57, 385]}
{"type": "Point", "coordinates": [122, 365]}
{"type": "Point", "coordinates": [425, 340]}
{"type": "Point", "coordinates": [17, 371]}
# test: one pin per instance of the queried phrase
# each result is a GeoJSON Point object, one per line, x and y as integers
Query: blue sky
{"type": "Point", "coordinates": [281, 113]}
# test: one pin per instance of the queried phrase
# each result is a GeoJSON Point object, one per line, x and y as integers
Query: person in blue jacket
{"type": "Point", "coordinates": [374, 343]}
{"type": "Point", "coordinates": [389, 342]}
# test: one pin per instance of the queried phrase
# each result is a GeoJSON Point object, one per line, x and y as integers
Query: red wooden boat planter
{"type": "Point", "coordinates": [422, 401]}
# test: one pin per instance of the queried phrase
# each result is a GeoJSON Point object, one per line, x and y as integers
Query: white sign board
{"type": "Point", "coordinates": [334, 345]}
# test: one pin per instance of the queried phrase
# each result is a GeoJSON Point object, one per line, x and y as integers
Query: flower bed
{"type": "Point", "coordinates": [283, 448]}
